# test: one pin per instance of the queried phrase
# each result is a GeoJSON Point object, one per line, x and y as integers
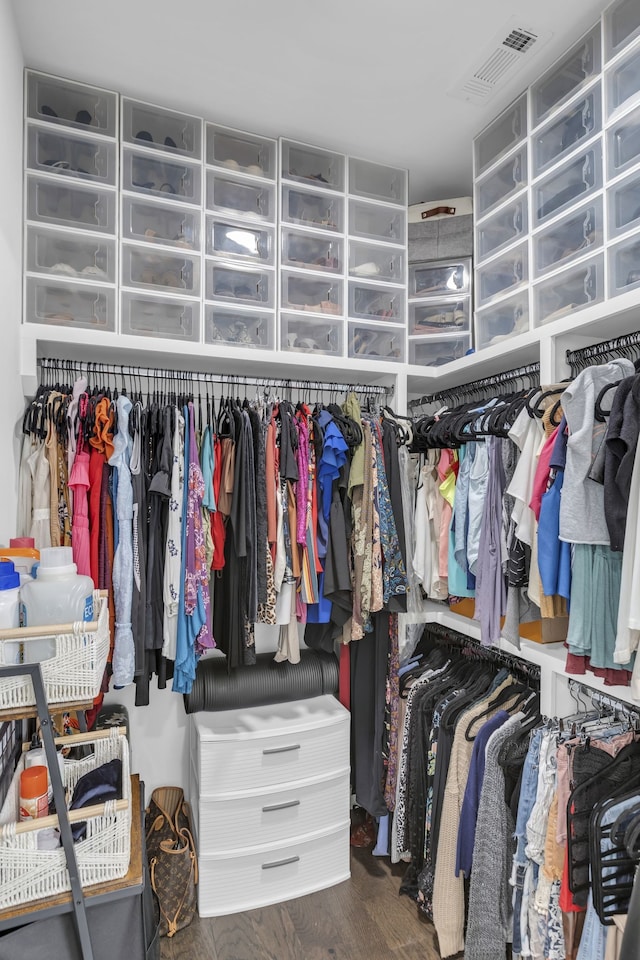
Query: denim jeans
{"type": "Point", "coordinates": [528, 791]}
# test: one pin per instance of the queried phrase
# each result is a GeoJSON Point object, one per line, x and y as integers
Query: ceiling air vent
{"type": "Point", "coordinates": [504, 57]}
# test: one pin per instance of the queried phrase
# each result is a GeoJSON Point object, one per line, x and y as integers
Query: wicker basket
{"type": "Point", "coordinates": [73, 675]}
{"type": "Point", "coordinates": [28, 874]}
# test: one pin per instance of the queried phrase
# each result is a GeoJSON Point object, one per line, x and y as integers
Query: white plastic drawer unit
{"type": "Point", "coordinates": [502, 228]}
{"type": "Point", "coordinates": [623, 82]}
{"type": "Point", "coordinates": [148, 268]}
{"type": "Point", "coordinates": [504, 319]}
{"type": "Point", "coordinates": [311, 294]}
{"type": "Point", "coordinates": [161, 175]}
{"type": "Point", "coordinates": [67, 204]}
{"type": "Point", "coordinates": [244, 152]}
{"type": "Point", "coordinates": [624, 266]}
{"type": "Point", "coordinates": [570, 238]}
{"type": "Point", "coordinates": [312, 251]}
{"type": "Point", "coordinates": [624, 205]}
{"type": "Point", "coordinates": [68, 304]}
{"type": "Point", "coordinates": [622, 25]}
{"type": "Point", "coordinates": [165, 224]}
{"type": "Point", "coordinates": [564, 294]}
{"type": "Point", "coordinates": [501, 135]}
{"type": "Point", "coordinates": [371, 301]}
{"type": "Point", "coordinates": [437, 351]}
{"type": "Point", "coordinates": [239, 286]}
{"type": "Point", "coordinates": [436, 317]}
{"type": "Point", "coordinates": [145, 125]}
{"type": "Point", "coordinates": [566, 187]}
{"type": "Point", "coordinates": [298, 335]}
{"type": "Point", "coordinates": [148, 316]}
{"type": "Point", "coordinates": [576, 124]}
{"type": "Point", "coordinates": [440, 278]}
{"type": "Point", "coordinates": [499, 185]}
{"type": "Point", "coordinates": [235, 239]}
{"type": "Point", "coordinates": [67, 254]}
{"type": "Point", "coordinates": [373, 262]}
{"type": "Point", "coordinates": [577, 68]}
{"type": "Point", "coordinates": [76, 105]}
{"type": "Point", "coordinates": [624, 143]}
{"type": "Point", "coordinates": [238, 327]}
{"type": "Point", "coordinates": [253, 199]}
{"type": "Point", "coordinates": [502, 275]}
{"type": "Point", "coordinates": [312, 208]}
{"type": "Point", "coordinates": [372, 221]}
{"type": "Point", "coordinates": [70, 154]}
{"type": "Point", "coordinates": [312, 165]}
{"type": "Point", "coordinates": [376, 342]}
{"type": "Point", "coordinates": [377, 182]}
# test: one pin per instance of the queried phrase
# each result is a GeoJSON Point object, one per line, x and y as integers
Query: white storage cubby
{"type": "Point", "coordinates": [579, 122]}
{"type": "Point", "coordinates": [145, 125]}
{"type": "Point", "coordinates": [65, 103]}
{"type": "Point", "coordinates": [229, 194]}
{"type": "Point", "coordinates": [67, 304]}
{"type": "Point", "coordinates": [502, 275]}
{"type": "Point", "coordinates": [575, 69]}
{"type": "Point", "coordinates": [436, 351]}
{"type": "Point", "coordinates": [439, 316]}
{"type": "Point", "coordinates": [69, 254]}
{"type": "Point", "coordinates": [237, 327]}
{"type": "Point", "coordinates": [500, 136]}
{"type": "Point", "coordinates": [302, 335]}
{"type": "Point", "coordinates": [572, 182]}
{"type": "Point", "coordinates": [623, 146]}
{"type": "Point", "coordinates": [147, 268]}
{"type": "Point", "coordinates": [575, 235]}
{"type": "Point", "coordinates": [621, 26]}
{"type": "Point", "coordinates": [312, 251]}
{"type": "Point", "coordinates": [501, 183]}
{"type": "Point", "coordinates": [374, 221]}
{"type": "Point", "coordinates": [312, 208]}
{"type": "Point", "coordinates": [502, 320]}
{"type": "Point", "coordinates": [143, 315]}
{"type": "Point", "coordinates": [243, 152]}
{"type": "Point", "coordinates": [161, 175]}
{"type": "Point", "coordinates": [236, 239]}
{"type": "Point", "coordinates": [502, 228]}
{"type": "Point", "coordinates": [624, 266]}
{"type": "Point", "coordinates": [70, 154]}
{"type": "Point", "coordinates": [64, 204]}
{"type": "Point", "coordinates": [439, 278]}
{"type": "Point", "coordinates": [374, 262]}
{"type": "Point", "coordinates": [310, 294]}
{"type": "Point", "coordinates": [623, 201]}
{"type": "Point", "coordinates": [377, 182]}
{"type": "Point", "coordinates": [376, 342]}
{"type": "Point", "coordinates": [622, 82]}
{"type": "Point", "coordinates": [565, 293]}
{"type": "Point", "coordinates": [370, 301]}
{"type": "Point", "coordinates": [163, 224]}
{"type": "Point", "coordinates": [231, 285]}
{"type": "Point", "coordinates": [312, 165]}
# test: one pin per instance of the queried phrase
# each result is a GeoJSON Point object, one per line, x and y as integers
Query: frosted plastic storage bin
{"type": "Point", "coordinates": [145, 125]}
{"type": "Point", "coordinates": [310, 208]}
{"type": "Point", "coordinates": [147, 268]}
{"type": "Point", "coordinates": [244, 152]}
{"type": "Point", "coordinates": [376, 263]}
{"type": "Point", "coordinates": [239, 240]}
{"type": "Point", "coordinates": [624, 266]}
{"type": "Point", "coordinates": [310, 336]}
{"type": "Point", "coordinates": [67, 205]}
{"type": "Point", "coordinates": [564, 241]}
{"type": "Point", "coordinates": [312, 165]}
{"type": "Point", "coordinates": [70, 104]}
{"type": "Point", "coordinates": [574, 70]}
{"type": "Point", "coordinates": [575, 124]}
{"type": "Point", "coordinates": [375, 342]}
{"type": "Point", "coordinates": [501, 275]}
{"type": "Point", "coordinates": [370, 301]}
{"type": "Point", "coordinates": [148, 316]}
{"type": "Point", "coordinates": [507, 318]}
{"type": "Point", "coordinates": [239, 328]}
{"type": "Point", "coordinates": [68, 304]}
{"type": "Point", "coordinates": [624, 205]}
{"type": "Point", "coordinates": [567, 293]}
{"type": "Point", "coordinates": [567, 186]}
{"type": "Point", "coordinates": [377, 182]}
{"type": "Point", "coordinates": [498, 186]}
{"type": "Point", "coordinates": [503, 228]}
{"type": "Point", "coordinates": [439, 316]}
{"type": "Point", "coordinates": [166, 224]}
{"type": "Point", "coordinates": [309, 251]}
{"type": "Point", "coordinates": [69, 154]}
{"type": "Point", "coordinates": [252, 287]}
{"type": "Point", "coordinates": [622, 25]}
{"type": "Point", "coordinates": [229, 195]}
{"type": "Point", "coordinates": [322, 295]}
{"type": "Point", "coordinates": [439, 278]}
{"type": "Point", "coordinates": [624, 143]}
{"type": "Point", "coordinates": [71, 255]}
{"type": "Point", "coordinates": [161, 176]}
{"type": "Point", "coordinates": [501, 135]}
{"type": "Point", "coordinates": [435, 352]}
{"type": "Point", "coordinates": [623, 82]}
{"type": "Point", "coordinates": [371, 221]}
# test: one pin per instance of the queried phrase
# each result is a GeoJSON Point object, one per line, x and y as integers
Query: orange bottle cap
{"type": "Point", "coordinates": [33, 782]}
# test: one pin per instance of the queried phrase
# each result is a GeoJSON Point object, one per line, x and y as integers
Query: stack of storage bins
{"type": "Point", "coordinates": [439, 311]}
{"type": "Point", "coordinates": [70, 204]}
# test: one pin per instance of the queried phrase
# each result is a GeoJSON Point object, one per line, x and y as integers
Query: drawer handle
{"type": "Point", "coordinates": [279, 863]}
{"type": "Point", "coordinates": [281, 806]}
{"type": "Point", "coordinates": [294, 746]}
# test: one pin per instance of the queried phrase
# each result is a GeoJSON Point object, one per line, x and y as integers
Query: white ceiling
{"type": "Point", "coordinates": [365, 77]}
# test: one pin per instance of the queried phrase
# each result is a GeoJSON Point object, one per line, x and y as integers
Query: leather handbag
{"type": "Point", "coordinates": [173, 863]}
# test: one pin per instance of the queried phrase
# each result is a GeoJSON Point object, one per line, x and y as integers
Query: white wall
{"type": "Point", "coordinates": [11, 400]}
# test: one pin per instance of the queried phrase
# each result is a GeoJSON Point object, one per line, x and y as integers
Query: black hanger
{"type": "Point", "coordinates": [600, 414]}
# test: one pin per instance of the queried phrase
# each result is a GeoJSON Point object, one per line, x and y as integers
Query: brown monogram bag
{"type": "Point", "coordinates": [173, 863]}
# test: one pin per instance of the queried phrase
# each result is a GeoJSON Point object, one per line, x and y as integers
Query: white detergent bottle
{"type": "Point", "coordinates": [59, 594]}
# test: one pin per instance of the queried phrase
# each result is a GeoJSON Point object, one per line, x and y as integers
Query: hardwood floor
{"type": "Point", "coordinates": [361, 919]}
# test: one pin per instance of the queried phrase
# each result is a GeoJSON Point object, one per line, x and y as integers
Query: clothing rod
{"type": "Point", "coordinates": [466, 389]}
{"type": "Point", "coordinates": [444, 635]}
{"type": "Point", "coordinates": [603, 699]}
{"type": "Point", "coordinates": [585, 356]}
{"type": "Point", "coordinates": [92, 368]}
